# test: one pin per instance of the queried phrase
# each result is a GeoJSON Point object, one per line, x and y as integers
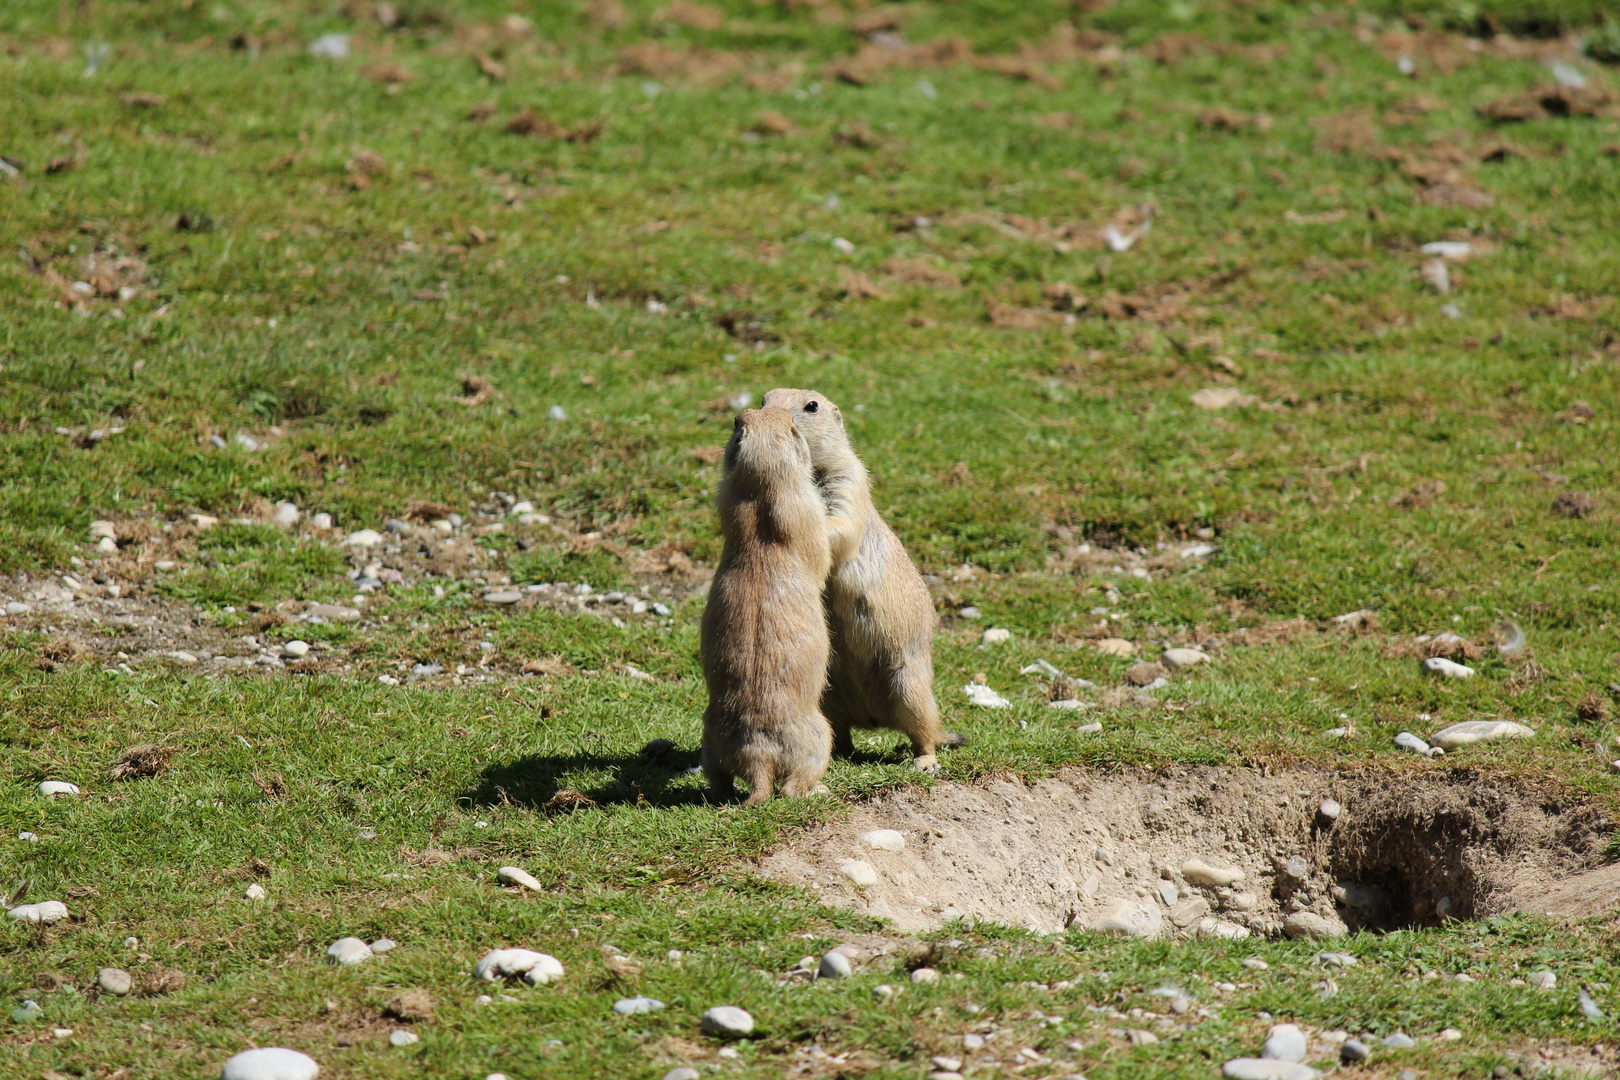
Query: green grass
{"type": "Point", "coordinates": [335, 320]}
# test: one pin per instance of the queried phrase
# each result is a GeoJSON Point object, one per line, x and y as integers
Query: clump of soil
{"type": "Point", "coordinates": [1076, 847]}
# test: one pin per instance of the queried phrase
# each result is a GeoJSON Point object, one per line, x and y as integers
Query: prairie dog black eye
{"type": "Point", "coordinates": [812, 406]}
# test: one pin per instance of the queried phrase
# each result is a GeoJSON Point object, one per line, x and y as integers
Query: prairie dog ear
{"type": "Point", "coordinates": [838, 413]}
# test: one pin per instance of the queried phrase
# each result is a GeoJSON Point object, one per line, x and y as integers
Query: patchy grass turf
{"type": "Point", "coordinates": [360, 265]}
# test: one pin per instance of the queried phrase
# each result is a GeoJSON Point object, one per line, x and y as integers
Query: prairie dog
{"type": "Point", "coordinates": [879, 612]}
{"type": "Point", "coordinates": [764, 636]}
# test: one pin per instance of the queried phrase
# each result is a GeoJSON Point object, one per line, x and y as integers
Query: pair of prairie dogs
{"type": "Point", "coordinates": [817, 620]}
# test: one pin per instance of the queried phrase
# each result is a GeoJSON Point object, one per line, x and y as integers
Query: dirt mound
{"type": "Point", "coordinates": [1225, 852]}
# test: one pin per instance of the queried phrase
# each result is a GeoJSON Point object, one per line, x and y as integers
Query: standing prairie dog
{"type": "Point", "coordinates": [879, 612]}
{"type": "Point", "coordinates": [764, 641]}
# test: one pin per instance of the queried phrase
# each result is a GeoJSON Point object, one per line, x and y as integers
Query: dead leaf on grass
{"type": "Point", "coordinates": [773, 123]}
{"type": "Point", "coordinates": [160, 980]}
{"type": "Point", "coordinates": [493, 69]}
{"type": "Point", "coordinates": [1222, 397]}
{"type": "Point", "coordinates": [1010, 317]}
{"type": "Point", "coordinates": [411, 1006]}
{"type": "Point", "coordinates": [857, 286]}
{"type": "Point", "coordinates": [1592, 708]}
{"type": "Point", "coordinates": [710, 455]}
{"type": "Point", "coordinates": [61, 650]}
{"type": "Point", "coordinates": [481, 112]}
{"type": "Point", "coordinates": [547, 665]}
{"type": "Point", "coordinates": [391, 74]}
{"type": "Point", "coordinates": [1352, 131]}
{"type": "Point", "coordinates": [146, 759]}
{"type": "Point", "coordinates": [1574, 504]}
{"type": "Point", "coordinates": [695, 16]}
{"type": "Point", "coordinates": [920, 272]}
{"type": "Point", "coordinates": [1456, 193]}
{"type": "Point", "coordinates": [1549, 100]}
{"type": "Point", "coordinates": [1570, 307]}
{"type": "Point", "coordinates": [527, 122]}
{"type": "Point", "coordinates": [1579, 412]}
{"type": "Point", "coordinates": [1422, 494]}
{"type": "Point", "coordinates": [1230, 120]}
{"type": "Point", "coordinates": [567, 800]}
{"type": "Point", "coordinates": [65, 163]}
{"type": "Point", "coordinates": [609, 14]}
{"type": "Point", "coordinates": [140, 100]}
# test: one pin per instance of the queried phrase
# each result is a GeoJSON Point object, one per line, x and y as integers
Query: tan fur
{"type": "Point", "coordinates": [879, 612]}
{"type": "Point", "coordinates": [765, 644]}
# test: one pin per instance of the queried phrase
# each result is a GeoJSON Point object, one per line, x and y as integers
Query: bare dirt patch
{"type": "Point", "coordinates": [1079, 848]}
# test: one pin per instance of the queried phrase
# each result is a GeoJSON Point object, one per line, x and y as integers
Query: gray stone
{"type": "Point", "coordinates": [1168, 893]}
{"type": "Point", "coordinates": [363, 538]}
{"type": "Point", "coordinates": [1329, 810]}
{"type": "Point", "coordinates": [1354, 1050]}
{"type": "Point", "coordinates": [637, 1006]}
{"type": "Point", "coordinates": [859, 872]}
{"type": "Point", "coordinates": [46, 911]}
{"type": "Point", "coordinates": [270, 1063]}
{"type": "Point", "coordinates": [402, 1037]}
{"type": "Point", "coordinates": [503, 597]}
{"type": "Point", "coordinates": [1408, 741]}
{"type": "Point", "coordinates": [382, 945]}
{"type": "Point", "coordinates": [1127, 919]}
{"type": "Point", "coordinates": [1181, 659]}
{"type": "Point", "coordinates": [1296, 870]}
{"type": "Point", "coordinates": [1198, 872]}
{"type": "Point", "coordinates": [1477, 731]}
{"type": "Point", "coordinates": [114, 981]}
{"type": "Point", "coordinates": [884, 840]}
{"type": "Point", "coordinates": [1188, 912]}
{"type": "Point", "coordinates": [297, 648]}
{"type": "Point", "coordinates": [332, 612]}
{"type": "Point", "coordinates": [17, 607]}
{"type": "Point", "coordinates": [1266, 1069]}
{"type": "Point", "coordinates": [348, 951]}
{"type": "Point", "coordinates": [726, 1022]}
{"type": "Point", "coordinates": [835, 965]}
{"type": "Point", "coordinates": [924, 975]}
{"type": "Point", "coordinates": [1399, 1040]}
{"type": "Point", "coordinates": [517, 876]}
{"type": "Point", "coordinates": [683, 1072]}
{"type": "Point", "coordinates": [1284, 1042]}
{"type": "Point", "coordinates": [1308, 924]}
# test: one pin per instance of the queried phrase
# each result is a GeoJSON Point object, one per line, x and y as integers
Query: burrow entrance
{"type": "Point", "coordinates": [1116, 851]}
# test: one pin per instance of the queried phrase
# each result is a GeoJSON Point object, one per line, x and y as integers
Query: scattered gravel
{"type": "Point", "coordinates": [727, 1022]}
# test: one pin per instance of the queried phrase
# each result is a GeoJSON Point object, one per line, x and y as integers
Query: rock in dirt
{"type": "Point", "coordinates": [1441, 668]}
{"type": "Point", "coordinates": [884, 840]}
{"type": "Point", "coordinates": [1201, 873]}
{"type": "Point", "coordinates": [51, 788]}
{"type": "Point", "coordinates": [1477, 731]}
{"type": "Point", "coordinates": [348, 951]}
{"type": "Point", "coordinates": [1354, 1050]}
{"type": "Point", "coordinates": [1308, 924]}
{"type": "Point", "coordinates": [1168, 893]}
{"type": "Point", "coordinates": [402, 1038]}
{"type": "Point", "coordinates": [860, 872]}
{"type": "Point", "coordinates": [980, 694]}
{"type": "Point", "coordinates": [46, 911]}
{"type": "Point", "coordinates": [1284, 1042]}
{"type": "Point", "coordinates": [995, 636]}
{"type": "Point", "coordinates": [516, 875]}
{"type": "Point", "coordinates": [503, 597]}
{"type": "Point", "coordinates": [270, 1063]}
{"type": "Point", "coordinates": [1408, 741]}
{"type": "Point", "coordinates": [533, 967]}
{"type": "Point", "coordinates": [637, 1006]}
{"type": "Point", "coordinates": [924, 975]}
{"type": "Point", "coordinates": [1180, 659]}
{"type": "Point", "coordinates": [1267, 1069]}
{"type": "Point", "coordinates": [114, 981]}
{"type": "Point", "coordinates": [835, 966]}
{"type": "Point", "coordinates": [286, 515]}
{"type": "Point", "coordinates": [1222, 929]}
{"type": "Point", "coordinates": [1329, 810]}
{"type": "Point", "coordinates": [1399, 1040]}
{"type": "Point", "coordinates": [1113, 646]}
{"type": "Point", "coordinates": [1189, 911]}
{"type": "Point", "coordinates": [1127, 919]}
{"type": "Point", "coordinates": [726, 1022]}
{"type": "Point", "coordinates": [297, 648]}
{"type": "Point", "coordinates": [363, 538]}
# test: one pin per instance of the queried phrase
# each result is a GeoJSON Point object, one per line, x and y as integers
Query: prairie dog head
{"type": "Point", "coordinates": [818, 419]}
{"type": "Point", "coordinates": [766, 447]}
